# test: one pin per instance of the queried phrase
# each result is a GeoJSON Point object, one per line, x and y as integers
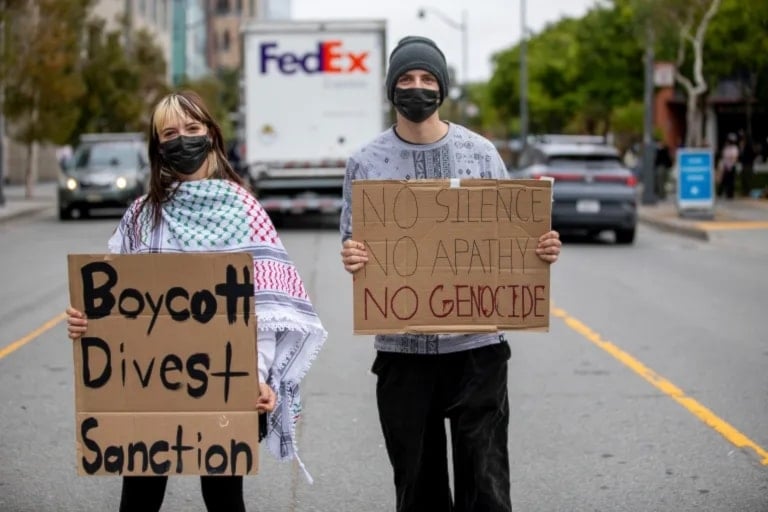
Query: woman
{"type": "Point", "coordinates": [192, 188]}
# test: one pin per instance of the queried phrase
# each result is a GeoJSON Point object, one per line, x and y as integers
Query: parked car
{"type": "Point", "coordinates": [106, 170]}
{"type": "Point", "coordinates": [593, 191]}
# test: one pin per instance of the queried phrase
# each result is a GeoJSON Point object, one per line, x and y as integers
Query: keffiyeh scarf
{"type": "Point", "coordinates": [217, 216]}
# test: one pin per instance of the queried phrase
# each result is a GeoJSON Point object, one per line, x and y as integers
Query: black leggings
{"type": "Point", "coordinates": [146, 493]}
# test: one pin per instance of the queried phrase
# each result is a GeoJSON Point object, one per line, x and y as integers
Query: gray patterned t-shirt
{"type": "Point", "coordinates": [460, 154]}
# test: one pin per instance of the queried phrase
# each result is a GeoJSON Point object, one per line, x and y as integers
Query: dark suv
{"type": "Point", "coordinates": [593, 191]}
{"type": "Point", "coordinates": [107, 170]}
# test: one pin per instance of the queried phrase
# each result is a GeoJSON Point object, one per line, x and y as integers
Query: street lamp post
{"type": "Point", "coordinates": [461, 27]}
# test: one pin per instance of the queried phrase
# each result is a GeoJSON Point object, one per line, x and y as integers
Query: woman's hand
{"type": "Point", "coordinates": [266, 402]}
{"type": "Point", "coordinates": [77, 324]}
{"type": "Point", "coordinates": [549, 245]}
{"type": "Point", "coordinates": [353, 255]}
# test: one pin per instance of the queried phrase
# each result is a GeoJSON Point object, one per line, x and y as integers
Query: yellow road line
{"type": "Point", "coordinates": [721, 426]}
{"type": "Point", "coordinates": [50, 324]}
{"type": "Point", "coordinates": [728, 225]}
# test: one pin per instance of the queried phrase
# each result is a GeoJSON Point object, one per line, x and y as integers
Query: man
{"type": "Point", "coordinates": [423, 379]}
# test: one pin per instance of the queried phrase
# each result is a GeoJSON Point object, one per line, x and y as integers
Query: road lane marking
{"type": "Point", "coordinates": [722, 427]}
{"type": "Point", "coordinates": [732, 225]}
{"type": "Point", "coordinates": [50, 324]}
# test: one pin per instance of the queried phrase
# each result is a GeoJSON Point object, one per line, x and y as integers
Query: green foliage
{"type": "Point", "coordinates": [586, 75]}
{"type": "Point", "coordinates": [112, 102]}
{"type": "Point", "coordinates": [230, 93]}
{"type": "Point", "coordinates": [42, 78]}
{"type": "Point", "coordinates": [122, 86]}
{"type": "Point", "coordinates": [609, 73]}
{"type": "Point", "coordinates": [213, 92]}
{"type": "Point", "coordinates": [737, 41]}
{"type": "Point", "coordinates": [579, 70]}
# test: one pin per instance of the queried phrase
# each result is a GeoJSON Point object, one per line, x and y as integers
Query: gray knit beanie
{"type": "Point", "coordinates": [416, 52]}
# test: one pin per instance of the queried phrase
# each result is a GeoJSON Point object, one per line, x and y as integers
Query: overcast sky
{"type": "Point", "coordinates": [493, 24]}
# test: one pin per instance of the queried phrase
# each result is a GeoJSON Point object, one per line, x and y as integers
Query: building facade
{"type": "Point", "coordinates": [154, 16]}
{"type": "Point", "coordinates": [224, 45]}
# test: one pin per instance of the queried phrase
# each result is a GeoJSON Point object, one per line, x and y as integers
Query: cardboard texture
{"type": "Point", "coordinates": [447, 256]}
{"type": "Point", "coordinates": [170, 346]}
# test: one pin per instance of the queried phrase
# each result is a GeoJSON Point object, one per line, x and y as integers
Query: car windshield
{"type": "Point", "coordinates": [585, 162]}
{"type": "Point", "coordinates": [107, 154]}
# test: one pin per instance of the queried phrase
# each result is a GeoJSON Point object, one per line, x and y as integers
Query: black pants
{"type": "Point", "coordinates": [146, 493]}
{"type": "Point", "coordinates": [220, 493]}
{"type": "Point", "coordinates": [415, 393]}
{"type": "Point", "coordinates": [727, 185]}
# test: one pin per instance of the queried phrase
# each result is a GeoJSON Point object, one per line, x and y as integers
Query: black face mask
{"type": "Point", "coordinates": [416, 104]}
{"type": "Point", "coordinates": [185, 154]}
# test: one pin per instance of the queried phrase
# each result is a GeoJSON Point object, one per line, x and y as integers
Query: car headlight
{"type": "Point", "coordinates": [121, 183]}
{"type": "Point", "coordinates": [71, 183]}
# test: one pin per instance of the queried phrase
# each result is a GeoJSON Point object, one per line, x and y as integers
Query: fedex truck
{"type": "Point", "coordinates": [313, 94]}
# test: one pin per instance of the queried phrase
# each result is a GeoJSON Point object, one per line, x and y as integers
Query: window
{"type": "Point", "coordinates": [252, 8]}
{"type": "Point", "coordinates": [222, 6]}
{"type": "Point", "coordinates": [225, 41]}
{"type": "Point", "coordinates": [584, 162]}
{"type": "Point", "coordinates": [107, 154]}
{"type": "Point", "coordinates": [239, 6]}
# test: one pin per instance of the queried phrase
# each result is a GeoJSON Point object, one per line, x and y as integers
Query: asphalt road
{"type": "Point", "coordinates": [648, 393]}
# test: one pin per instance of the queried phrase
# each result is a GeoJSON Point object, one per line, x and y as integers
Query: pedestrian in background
{"type": "Point", "coordinates": [727, 167]}
{"type": "Point", "coordinates": [662, 164]}
{"type": "Point", "coordinates": [747, 156]}
{"type": "Point", "coordinates": [424, 379]}
{"type": "Point", "coordinates": [193, 189]}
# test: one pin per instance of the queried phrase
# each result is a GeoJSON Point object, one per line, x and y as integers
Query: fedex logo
{"type": "Point", "coordinates": [328, 58]}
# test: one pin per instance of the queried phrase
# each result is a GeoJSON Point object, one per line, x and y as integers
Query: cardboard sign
{"type": "Point", "coordinates": [166, 377]}
{"type": "Point", "coordinates": [448, 256]}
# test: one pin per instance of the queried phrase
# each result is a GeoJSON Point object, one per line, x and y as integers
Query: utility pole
{"type": "Point", "coordinates": [649, 148]}
{"type": "Point", "coordinates": [523, 78]}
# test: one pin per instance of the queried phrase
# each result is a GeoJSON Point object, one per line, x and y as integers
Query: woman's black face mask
{"type": "Point", "coordinates": [185, 154]}
{"type": "Point", "coordinates": [416, 104]}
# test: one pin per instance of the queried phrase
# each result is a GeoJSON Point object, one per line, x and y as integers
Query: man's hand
{"type": "Point", "coordinates": [353, 255]}
{"type": "Point", "coordinates": [77, 324]}
{"type": "Point", "coordinates": [549, 245]}
{"type": "Point", "coordinates": [266, 402]}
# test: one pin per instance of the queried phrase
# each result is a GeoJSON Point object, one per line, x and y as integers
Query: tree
{"type": "Point", "coordinates": [737, 47]}
{"type": "Point", "coordinates": [151, 68]}
{"type": "Point", "coordinates": [694, 16]}
{"type": "Point", "coordinates": [551, 71]}
{"type": "Point", "coordinates": [43, 82]}
{"type": "Point", "coordinates": [112, 102]}
{"type": "Point", "coordinates": [609, 66]}
{"type": "Point", "coordinates": [122, 84]}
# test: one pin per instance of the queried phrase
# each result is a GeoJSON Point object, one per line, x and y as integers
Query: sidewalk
{"type": "Point", "coordinates": [16, 205]}
{"type": "Point", "coordinates": [729, 214]}
{"type": "Point", "coordinates": [733, 214]}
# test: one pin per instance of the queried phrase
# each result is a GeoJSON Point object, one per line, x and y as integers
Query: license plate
{"type": "Point", "coordinates": [587, 206]}
{"type": "Point", "coordinates": [93, 198]}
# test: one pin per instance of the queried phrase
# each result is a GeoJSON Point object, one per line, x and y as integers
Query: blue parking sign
{"type": "Point", "coordinates": [696, 179]}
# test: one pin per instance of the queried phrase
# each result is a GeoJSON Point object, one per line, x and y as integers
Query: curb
{"type": "Point", "coordinates": [670, 227]}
